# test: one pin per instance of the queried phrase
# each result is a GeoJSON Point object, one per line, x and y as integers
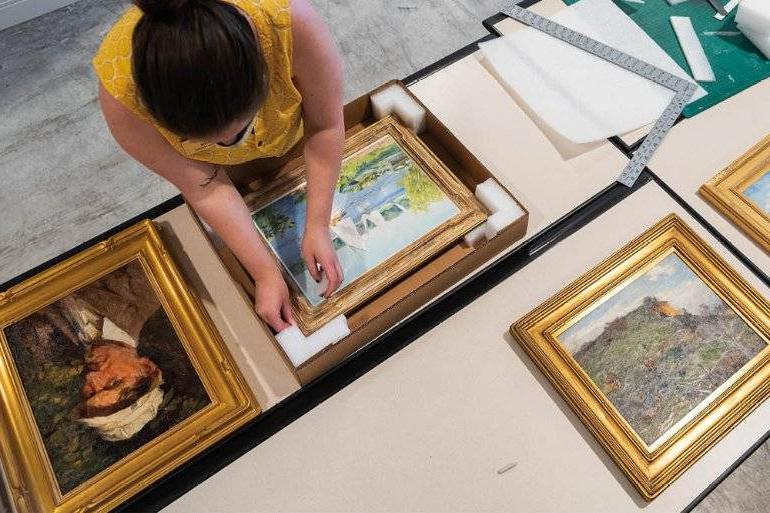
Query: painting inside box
{"type": "Point", "coordinates": [383, 203]}
{"type": "Point", "coordinates": [759, 192]}
{"type": "Point", "coordinates": [104, 372]}
{"type": "Point", "coordinates": [660, 345]}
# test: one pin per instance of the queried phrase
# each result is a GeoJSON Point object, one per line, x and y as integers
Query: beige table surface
{"type": "Point", "coordinates": [428, 429]}
{"type": "Point", "coordinates": [698, 148]}
{"type": "Point", "coordinates": [484, 116]}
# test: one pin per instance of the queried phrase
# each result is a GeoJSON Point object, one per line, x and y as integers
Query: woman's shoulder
{"type": "Point", "coordinates": [112, 62]}
{"type": "Point", "coordinates": [275, 13]}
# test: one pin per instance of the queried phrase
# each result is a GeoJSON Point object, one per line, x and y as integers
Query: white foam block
{"type": "Point", "coordinates": [474, 236]}
{"type": "Point", "coordinates": [760, 40]}
{"type": "Point", "coordinates": [300, 348]}
{"type": "Point", "coordinates": [499, 221]}
{"type": "Point", "coordinates": [504, 211]}
{"type": "Point", "coordinates": [396, 100]}
{"type": "Point", "coordinates": [558, 82]}
{"type": "Point", "coordinates": [492, 195]}
{"type": "Point", "coordinates": [676, 2]}
{"type": "Point", "coordinates": [754, 15]}
{"type": "Point", "coordinates": [693, 50]}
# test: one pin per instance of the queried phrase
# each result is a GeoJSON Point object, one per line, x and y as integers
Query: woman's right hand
{"type": "Point", "coordinates": [271, 299]}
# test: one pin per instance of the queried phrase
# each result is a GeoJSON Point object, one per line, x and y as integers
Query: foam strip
{"type": "Point", "coordinates": [300, 348]}
{"type": "Point", "coordinates": [395, 99]}
{"type": "Point", "coordinates": [693, 50]}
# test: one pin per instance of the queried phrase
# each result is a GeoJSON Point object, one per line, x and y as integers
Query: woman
{"type": "Point", "coordinates": [190, 86]}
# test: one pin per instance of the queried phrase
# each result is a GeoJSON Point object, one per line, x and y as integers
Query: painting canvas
{"type": "Point", "coordinates": [661, 349]}
{"type": "Point", "coordinates": [660, 346]}
{"type": "Point", "coordinates": [383, 202]}
{"type": "Point", "coordinates": [104, 373]}
{"type": "Point", "coordinates": [395, 206]}
{"type": "Point", "coordinates": [759, 192]}
{"type": "Point", "coordinates": [112, 375]}
{"type": "Point", "coordinates": [741, 193]}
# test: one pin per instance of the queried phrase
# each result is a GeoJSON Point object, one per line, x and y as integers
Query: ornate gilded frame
{"type": "Point", "coordinates": [725, 192]}
{"type": "Point", "coordinates": [30, 478]}
{"type": "Point", "coordinates": [650, 468]}
{"type": "Point", "coordinates": [471, 214]}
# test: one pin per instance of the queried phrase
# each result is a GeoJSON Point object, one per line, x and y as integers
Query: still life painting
{"type": "Point", "coordinates": [741, 193]}
{"type": "Point", "coordinates": [106, 370]}
{"type": "Point", "coordinates": [656, 337]}
{"type": "Point", "coordinates": [395, 206]}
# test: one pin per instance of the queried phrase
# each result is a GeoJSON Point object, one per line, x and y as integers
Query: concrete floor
{"type": "Point", "coordinates": [65, 181]}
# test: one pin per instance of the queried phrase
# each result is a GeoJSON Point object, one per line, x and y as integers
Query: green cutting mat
{"type": "Point", "coordinates": [737, 63]}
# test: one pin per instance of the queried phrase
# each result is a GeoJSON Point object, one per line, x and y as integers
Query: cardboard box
{"type": "Point", "coordinates": [413, 292]}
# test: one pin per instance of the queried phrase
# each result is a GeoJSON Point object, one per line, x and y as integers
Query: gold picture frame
{"type": "Point", "coordinates": [726, 192]}
{"type": "Point", "coordinates": [544, 333]}
{"type": "Point", "coordinates": [470, 214]}
{"type": "Point", "coordinates": [229, 404]}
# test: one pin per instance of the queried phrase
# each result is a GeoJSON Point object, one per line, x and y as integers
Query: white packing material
{"type": "Point", "coordinates": [504, 211]}
{"type": "Point", "coordinates": [394, 99]}
{"type": "Point", "coordinates": [300, 348]}
{"type": "Point", "coordinates": [693, 49]}
{"type": "Point", "coordinates": [754, 15]}
{"type": "Point", "coordinates": [583, 97]}
{"type": "Point", "coordinates": [758, 39]}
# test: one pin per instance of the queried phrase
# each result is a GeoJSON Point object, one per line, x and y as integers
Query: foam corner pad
{"type": "Point", "coordinates": [396, 100]}
{"type": "Point", "coordinates": [504, 211]}
{"type": "Point", "coordinates": [300, 348]}
{"type": "Point", "coordinates": [474, 236]}
{"type": "Point", "coordinates": [499, 221]}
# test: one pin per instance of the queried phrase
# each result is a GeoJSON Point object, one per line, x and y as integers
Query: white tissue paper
{"type": "Point", "coordinates": [300, 348]}
{"type": "Point", "coordinates": [583, 97]}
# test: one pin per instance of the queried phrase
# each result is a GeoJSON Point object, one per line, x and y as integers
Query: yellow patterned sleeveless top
{"type": "Point", "coordinates": [278, 124]}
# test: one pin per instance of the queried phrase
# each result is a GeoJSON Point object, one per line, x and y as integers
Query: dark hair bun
{"type": "Point", "coordinates": [162, 8]}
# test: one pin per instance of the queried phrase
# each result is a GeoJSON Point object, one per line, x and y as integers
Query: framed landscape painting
{"type": "Point", "coordinates": [660, 350]}
{"type": "Point", "coordinates": [112, 375]}
{"type": "Point", "coordinates": [395, 206]}
{"type": "Point", "coordinates": [742, 193]}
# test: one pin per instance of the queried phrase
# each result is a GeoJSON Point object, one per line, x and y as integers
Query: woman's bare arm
{"type": "Point", "coordinates": [318, 74]}
{"type": "Point", "coordinates": [214, 199]}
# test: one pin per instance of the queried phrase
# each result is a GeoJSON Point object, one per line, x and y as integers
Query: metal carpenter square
{"type": "Point", "coordinates": [684, 89]}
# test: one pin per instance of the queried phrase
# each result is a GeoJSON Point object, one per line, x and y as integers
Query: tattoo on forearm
{"type": "Point", "coordinates": [211, 178]}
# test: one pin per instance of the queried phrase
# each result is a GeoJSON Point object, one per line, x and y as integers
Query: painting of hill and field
{"type": "Point", "coordinates": [660, 346]}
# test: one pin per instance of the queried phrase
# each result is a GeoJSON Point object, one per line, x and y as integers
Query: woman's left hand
{"type": "Point", "coordinates": [317, 250]}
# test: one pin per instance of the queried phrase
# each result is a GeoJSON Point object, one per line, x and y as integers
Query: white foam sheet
{"type": "Point", "coordinates": [428, 429]}
{"type": "Point", "coordinates": [582, 97]}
